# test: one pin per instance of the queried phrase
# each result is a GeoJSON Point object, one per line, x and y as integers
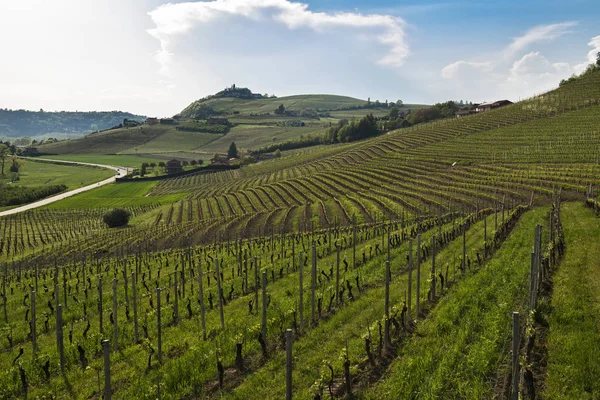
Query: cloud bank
{"type": "Point", "coordinates": [513, 73]}
{"type": "Point", "coordinates": [174, 20]}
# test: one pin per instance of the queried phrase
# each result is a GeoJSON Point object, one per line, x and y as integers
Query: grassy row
{"type": "Point", "coordinates": [574, 340]}
{"type": "Point", "coordinates": [457, 350]}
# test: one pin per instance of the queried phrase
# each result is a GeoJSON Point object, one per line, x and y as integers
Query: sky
{"type": "Point", "coordinates": [153, 57]}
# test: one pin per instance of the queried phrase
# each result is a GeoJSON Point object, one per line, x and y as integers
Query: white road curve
{"type": "Point", "coordinates": [119, 172]}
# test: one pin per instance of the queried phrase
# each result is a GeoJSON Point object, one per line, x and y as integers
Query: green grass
{"type": "Point", "coordinates": [40, 173]}
{"type": "Point", "coordinates": [256, 136]}
{"type": "Point", "coordinates": [116, 195]}
{"type": "Point", "coordinates": [456, 351]}
{"type": "Point", "coordinates": [574, 338]}
{"type": "Point", "coordinates": [173, 140]}
{"type": "Point", "coordinates": [106, 159]}
{"type": "Point", "coordinates": [261, 106]}
{"type": "Point", "coordinates": [108, 142]}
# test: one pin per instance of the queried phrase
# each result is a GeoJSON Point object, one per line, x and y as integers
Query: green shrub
{"type": "Point", "coordinates": [116, 217]}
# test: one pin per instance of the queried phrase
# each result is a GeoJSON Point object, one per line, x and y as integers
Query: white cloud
{"type": "Point", "coordinates": [513, 77]}
{"type": "Point", "coordinates": [537, 34]}
{"type": "Point", "coordinates": [535, 74]}
{"type": "Point", "coordinates": [465, 68]}
{"type": "Point", "coordinates": [174, 20]}
{"type": "Point", "coordinates": [591, 55]}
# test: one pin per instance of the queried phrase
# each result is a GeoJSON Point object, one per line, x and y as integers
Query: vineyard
{"type": "Point", "coordinates": [453, 259]}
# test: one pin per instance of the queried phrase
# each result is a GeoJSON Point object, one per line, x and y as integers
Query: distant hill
{"type": "Point", "coordinates": [18, 123]}
{"type": "Point", "coordinates": [262, 105]}
{"type": "Point", "coordinates": [251, 122]}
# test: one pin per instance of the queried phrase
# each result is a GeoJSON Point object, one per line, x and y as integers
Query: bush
{"type": "Point", "coordinates": [116, 217]}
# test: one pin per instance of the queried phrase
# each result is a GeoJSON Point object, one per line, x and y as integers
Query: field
{"type": "Point", "coordinates": [390, 268]}
{"type": "Point", "coordinates": [34, 173]}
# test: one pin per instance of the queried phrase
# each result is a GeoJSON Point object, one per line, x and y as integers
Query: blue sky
{"type": "Point", "coordinates": [154, 58]}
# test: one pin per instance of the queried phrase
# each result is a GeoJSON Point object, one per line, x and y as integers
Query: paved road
{"type": "Point", "coordinates": [119, 172]}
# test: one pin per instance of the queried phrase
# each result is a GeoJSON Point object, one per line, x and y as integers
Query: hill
{"type": "Point", "coordinates": [19, 123]}
{"type": "Point", "coordinates": [316, 102]}
{"type": "Point", "coordinates": [251, 122]}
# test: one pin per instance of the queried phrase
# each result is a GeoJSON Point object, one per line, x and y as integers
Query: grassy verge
{"type": "Point", "coordinates": [457, 350]}
{"type": "Point", "coordinates": [116, 195]}
{"type": "Point", "coordinates": [574, 339]}
{"type": "Point", "coordinates": [74, 176]}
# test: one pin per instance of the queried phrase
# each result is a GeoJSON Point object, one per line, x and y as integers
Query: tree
{"type": "Point", "coordinates": [399, 103]}
{"type": "Point", "coordinates": [143, 169]}
{"type": "Point", "coordinates": [233, 151]}
{"type": "Point", "coordinates": [4, 153]}
{"type": "Point", "coordinates": [193, 163]}
{"type": "Point", "coordinates": [394, 112]}
{"type": "Point", "coordinates": [162, 164]}
{"type": "Point", "coordinates": [185, 163]}
{"type": "Point", "coordinates": [116, 217]}
{"type": "Point", "coordinates": [598, 59]}
{"type": "Point", "coordinates": [200, 162]}
{"type": "Point", "coordinates": [280, 110]}
{"type": "Point", "coordinates": [277, 153]}
{"type": "Point", "coordinates": [15, 164]}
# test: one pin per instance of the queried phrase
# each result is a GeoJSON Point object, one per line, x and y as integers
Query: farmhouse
{"type": "Point", "coordinates": [152, 121]}
{"type": "Point", "coordinates": [173, 167]}
{"type": "Point", "coordinates": [219, 162]}
{"type": "Point", "coordinates": [484, 107]}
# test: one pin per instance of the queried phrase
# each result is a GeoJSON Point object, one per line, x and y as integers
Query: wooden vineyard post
{"type": "Point", "coordinates": [60, 337]}
{"type": "Point", "coordinates": [496, 218]}
{"type": "Point", "coordinates": [387, 305]}
{"type": "Point", "coordinates": [432, 289]}
{"type": "Point", "coordinates": [106, 351]}
{"type": "Point", "coordinates": [4, 298]}
{"type": "Point", "coordinates": [516, 342]}
{"type": "Point", "coordinates": [301, 290]}
{"type": "Point", "coordinates": [288, 363]}
{"type": "Point", "coordinates": [337, 275]}
{"type": "Point", "coordinates": [100, 307]}
{"type": "Point", "coordinates": [135, 313]}
{"type": "Point", "coordinates": [532, 282]}
{"type": "Point", "coordinates": [410, 254]}
{"type": "Point", "coordinates": [464, 250]}
{"type": "Point", "coordinates": [418, 294]}
{"type": "Point", "coordinates": [354, 241]}
{"type": "Point", "coordinates": [293, 239]}
{"type": "Point", "coordinates": [36, 277]}
{"type": "Point", "coordinates": [389, 247]}
{"type": "Point", "coordinates": [220, 293]}
{"type": "Point", "coordinates": [201, 294]}
{"type": "Point", "coordinates": [245, 278]}
{"type": "Point", "coordinates": [176, 301]}
{"type": "Point", "coordinates": [485, 230]}
{"type": "Point", "coordinates": [256, 283]}
{"type": "Point", "coordinates": [125, 282]}
{"type": "Point", "coordinates": [158, 325]}
{"type": "Point", "coordinates": [115, 320]}
{"type": "Point", "coordinates": [264, 306]}
{"type": "Point", "coordinates": [33, 327]}
{"type": "Point", "coordinates": [64, 271]}
{"type": "Point", "coordinates": [313, 282]}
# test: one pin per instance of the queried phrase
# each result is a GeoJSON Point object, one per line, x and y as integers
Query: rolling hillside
{"type": "Point", "coordinates": [254, 125]}
{"type": "Point", "coordinates": [395, 264]}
